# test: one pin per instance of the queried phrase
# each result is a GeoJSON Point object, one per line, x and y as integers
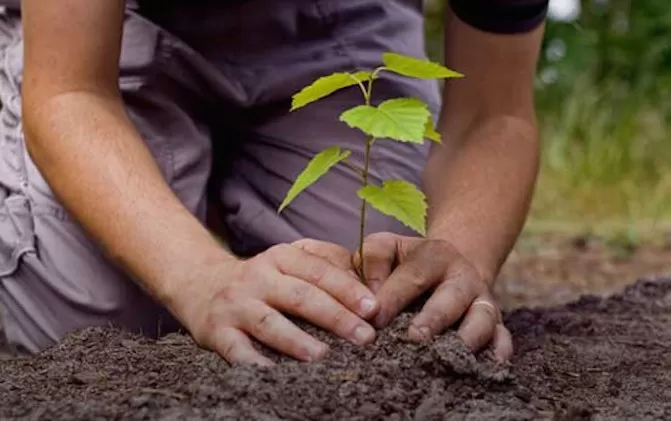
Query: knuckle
{"type": "Point", "coordinates": [418, 277]}
{"type": "Point", "coordinates": [228, 292]}
{"type": "Point", "coordinates": [439, 248]}
{"type": "Point", "coordinates": [340, 319]}
{"type": "Point", "coordinates": [228, 352]}
{"type": "Point", "coordinates": [434, 317]}
{"type": "Point", "coordinates": [462, 276]}
{"type": "Point", "coordinates": [304, 243]}
{"type": "Point", "coordinates": [469, 272]}
{"type": "Point", "coordinates": [379, 244]}
{"type": "Point", "coordinates": [461, 291]}
{"type": "Point", "coordinates": [278, 251]}
{"type": "Point", "coordinates": [312, 246]}
{"type": "Point", "coordinates": [343, 257]}
{"type": "Point", "coordinates": [283, 248]}
{"type": "Point", "coordinates": [298, 295]}
{"type": "Point", "coordinates": [264, 322]}
{"type": "Point", "coordinates": [316, 274]}
{"type": "Point", "coordinates": [202, 334]}
{"type": "Point", "coordinates": [228, 349]}
{"type": "Point", "coordinates": [383, 237]}
{"type": "Point", "coordinates": [221, 314]}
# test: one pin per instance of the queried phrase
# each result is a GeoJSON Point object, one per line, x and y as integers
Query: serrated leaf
{"type": "Point", "coordinates": [399, 199]}
{"type": "Point", "coordinates": [414, 67]}
{"type": "Point", "coordinates": [402, 119]}
{"type": "Point", "coordinates": [431, 133]}
{"type": "Point", "coordinates": [327, 85]}
{"type": "Point", "coordinates": [314, 170]}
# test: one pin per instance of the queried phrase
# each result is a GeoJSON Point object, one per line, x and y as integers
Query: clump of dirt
{"type": "Point", "coordinates": [592, 359]}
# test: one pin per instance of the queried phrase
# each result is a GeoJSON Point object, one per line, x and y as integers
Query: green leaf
{"type": "Point", "coordinates": [399, 199]}
{"type": "Point", "coordinates": [414, 67]}
{"type": "Point", "coordinates": [431, 133]}
{"type": "Point", "coordinates": [327, 85]}
{"type": "Point", "coordinates": [402, 119]}
{"type": "Point", "coordinates": [315, 169]}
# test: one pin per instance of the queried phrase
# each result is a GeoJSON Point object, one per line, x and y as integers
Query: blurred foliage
{"type": "Point", "coordinates": [603, 94]}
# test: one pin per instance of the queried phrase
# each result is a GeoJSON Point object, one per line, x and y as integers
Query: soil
{"type": "Point", "coordinates": [553, 269]}
{"type": "Point", "coordinates": [592, 357]}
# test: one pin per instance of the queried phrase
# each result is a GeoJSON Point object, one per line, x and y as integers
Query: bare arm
{"type": "Point", "coordinates": [81, 138]}
{"type": "Point", "coordinates": [480, 181]}
{"type": "Point", "coordinates": [479, 184]}
{"type": "Point", "coordinates": [79, 135]}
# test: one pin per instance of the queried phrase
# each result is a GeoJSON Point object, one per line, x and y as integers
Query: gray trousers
{"type": "Point", "coordinates": [208, 88]}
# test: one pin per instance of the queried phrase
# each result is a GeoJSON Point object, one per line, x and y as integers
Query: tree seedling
{"type": "Point", "coordinates": [403, 119]}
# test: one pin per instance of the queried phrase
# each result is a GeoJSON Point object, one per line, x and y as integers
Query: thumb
{"type": "Point", "coordinates": [380, 252]}
{"type": "Point", "coordinates": [332, 253]}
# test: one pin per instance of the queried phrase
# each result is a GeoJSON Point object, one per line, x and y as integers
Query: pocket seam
{"type": "Point", "coordinates": [16, 205]}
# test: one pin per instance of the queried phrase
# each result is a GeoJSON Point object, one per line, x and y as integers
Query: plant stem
{"type": "Point", "coordinates": [364, 183]}
{"type": "Point", "coordinates": [367, 94]}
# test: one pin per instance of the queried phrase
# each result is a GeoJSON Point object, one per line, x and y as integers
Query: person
{"type": "Point", "coordinates": [138, 136]}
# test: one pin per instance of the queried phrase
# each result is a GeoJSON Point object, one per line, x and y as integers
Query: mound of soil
{"type": "Point", "coordinates": [592, 359]}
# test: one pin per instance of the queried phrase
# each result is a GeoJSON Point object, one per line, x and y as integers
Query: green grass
{"type": "Point", "coordinates": [606, 141]}
{"type": "Point", "coordinates": [606, 163]}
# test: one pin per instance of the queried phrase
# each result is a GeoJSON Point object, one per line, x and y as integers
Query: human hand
{"type": "Point", "coordinates": [398, 269]}
{"type": "Point", "coordinates": [245, 298]}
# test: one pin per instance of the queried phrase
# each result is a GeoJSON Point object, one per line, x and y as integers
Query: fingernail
{"type": "Point", "coordinates": [363, 335]}
{"type": "Point", "coordinates": [367, 305]}
{"type": "Point", "coordinates": [316, 351]}
{"type": "Point", "coordinates": [419, 333]}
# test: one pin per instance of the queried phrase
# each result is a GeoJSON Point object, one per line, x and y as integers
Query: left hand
{"type": "Point", "coordinates": [398, 269]}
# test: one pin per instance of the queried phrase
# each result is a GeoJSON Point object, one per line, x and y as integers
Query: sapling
{"type": "Point", "coordinates": [404, 119]}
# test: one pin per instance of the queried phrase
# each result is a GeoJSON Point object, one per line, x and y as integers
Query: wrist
{"type": "Point", "coordinates": [479, 261]}
{"type": "Point", "coordinates": [173, 265]}
{"type": "Point", "coordinates": [193, 282]}
{"type": "Point", "coordinates": [187, 297]}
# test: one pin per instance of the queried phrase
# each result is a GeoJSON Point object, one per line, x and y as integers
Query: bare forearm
{"type": "Point", "coordinates": [101, 170]}
{"type": "Point", "coordinates": [480, 181]}
{"type": "Point", "coordinates": [480, 193]}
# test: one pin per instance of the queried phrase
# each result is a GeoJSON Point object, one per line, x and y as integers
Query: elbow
{"type": "Point", "coordinates": [514, 132]}
{"type": "Point", "coordinates": [505, 129]}
{"type": "Point", "coordinates": [43, 117]}
{"type": "Point", "coordinates": [30, 116]}
{"type": "Point", "coordinates": [51, 118]}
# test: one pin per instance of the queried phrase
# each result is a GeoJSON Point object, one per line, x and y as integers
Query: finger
{"type": "Point", "coordinates": [479, 325]}
{"type": "Point", "coordinates": [332, 253]}
{"type": "Point", "coordinates": [502, 343]}
{"type": "Point", "coordinates": [305, 300]}
{"type": "Point", "coordinates": [270, 327]}
{"type": "Point", "coordinates": [338, 283]}
{"type": "Point", "coordinates": [422, 269]}
{"type": "Point", "coordinates": [379, 255]}
{"type": "Point", "coordinates": [236, 348]}
{"type": "Point", "coordinates": [447, 304]}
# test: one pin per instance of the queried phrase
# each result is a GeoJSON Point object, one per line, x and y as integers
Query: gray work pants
{"type": "Point", "coordinates": [208, 88]}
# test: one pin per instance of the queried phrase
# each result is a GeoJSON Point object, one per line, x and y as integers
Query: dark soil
{"type": "Point", "coordinates": [592, 359]}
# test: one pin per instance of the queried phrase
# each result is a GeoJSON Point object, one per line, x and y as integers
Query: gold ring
{"type": "Point", "coordinates": [486, 303]}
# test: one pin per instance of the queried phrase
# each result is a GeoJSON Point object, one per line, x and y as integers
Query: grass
{"type": "Point", "coordinates": [606, 156]}
{"type": "Point", "coordinates": [606, 164]}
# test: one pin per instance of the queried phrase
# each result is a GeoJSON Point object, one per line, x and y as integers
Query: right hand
{"type": "Point", "coordinates": [310, 279]}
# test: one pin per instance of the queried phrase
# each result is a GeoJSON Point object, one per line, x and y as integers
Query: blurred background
{"type": "Point", "coordinates": [604, 103]}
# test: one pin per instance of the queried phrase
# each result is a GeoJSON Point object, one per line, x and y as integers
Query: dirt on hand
{"type": "Point", "coordinates": [592, 359]}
